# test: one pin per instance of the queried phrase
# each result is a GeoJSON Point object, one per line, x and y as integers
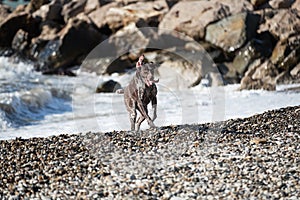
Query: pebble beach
{"type": "Point", "coordinates": [250, 158]}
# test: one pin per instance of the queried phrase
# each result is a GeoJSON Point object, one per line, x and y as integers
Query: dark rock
{"type": "Point", "coordinates": [108, 86]}
{"type": "Point", "coordinates": [72, 9]}
{"type": "Point", "coordinates": [232, 32]}
{"type": "Point", "coordinates": [14, 22]}
{"type": "Point", "coordinates": [258, 2]}
{"type": "Point", "coordinates": [192, 17]}
{"type": "Point", "coordinates": [279, 4]}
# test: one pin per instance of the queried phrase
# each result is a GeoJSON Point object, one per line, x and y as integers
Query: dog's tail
{"type": "Point", "coordinates": [119, 91]}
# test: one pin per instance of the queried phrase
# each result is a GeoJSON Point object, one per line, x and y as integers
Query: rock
{"type": "Point", "coordinates": [295, 72]}
{"type": "Point", "coordinates": [20, 41]}
{"type": "Point", "coordinates": [106, 65]}
{"type": "Point", "coordinates": [74, 42]}
{"type": "Point", "coordinates": [150, 12]}
{"type": "Point", "coordinates": [129, 40]}
{"type": "Point", "coordinates": [73, 8]}
{"type": "Point", "coordinates": [34, 5]}
{"type": "Point", "coordinates": [98, 16]}
{"type": "Point", "coordinates": [108, 86]}
{"type": "Point", "coordinates": [260, 76]}
{"type": "Point", "coordinates": [296, 5]}
{"type": "Point", "coordinates": [192, 17]}
{"type": "Point", "coordinates": [14, 22]}
{"type": "Point", "coordinates": [214, 79]}
{"type": "Point", "coordinates": [258, 2]}
{"type": "Point", "coordinates": [247, 55]}
{"type": "Point", "coordinates": [182, 69]}
{"type": "Point", "coordinates": [91, 5]}
{"type": "Point", "coordinates": [279, 4]}
{"type": "Point", "coordinates": [281, 23]}
{"type": "Point", "coordinates": [286, 53]}
{"type": "Point", "coordinates": [51, 11]}
{"type": "Point", "coordinates": [232, 32]}
{"type": "Point", "coordinates": [4, 12]}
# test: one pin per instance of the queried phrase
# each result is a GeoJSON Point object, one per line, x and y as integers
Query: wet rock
{"type": "Point", "coordinates": [260, 76]}
{"type": "Point", "coordinates": [232, 32]}
{"type": "Point", "coordinates": [4, 12]}
{"type": "Point", "coordinates": [281, 23]}
{"type": "Point", "coordinates": [108, 86]}
{"type": "Point", "coordinates": [192, 17]}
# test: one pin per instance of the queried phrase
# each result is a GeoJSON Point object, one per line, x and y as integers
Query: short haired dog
{"type": "Point", "coordinates": [139, 93]}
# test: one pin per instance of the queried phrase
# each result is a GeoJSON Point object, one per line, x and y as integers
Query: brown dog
{"type": "Point", "coordinates": [139, 93]}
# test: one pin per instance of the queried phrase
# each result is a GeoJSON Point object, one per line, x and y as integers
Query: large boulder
{"type": "Point", "coordinates": [116, 17]}
{"type": "Point", "coordinates": [50, 12]}
{"type": "Point", "coordinates": [4, 12]}
{"type": "Point", "coordinates": [14, 22]}
{"type": "Point", "coordinates": [34, 5]}
{"type": "Point", "coordinates": [192, 17]}
{"type": "Point", "coordinates": [129, 40]}
{"type": "Point", "coordinates": [258, 2]}
{"type": "Point", "coordinates": [278, 4]}
{"type": "Point", "coordinates": [281, 23]}
{"type": "Point", "coordinates": [73, 8]}
{"type": "Point", "coordinates": [261, 75]}
{"type": "Point", "coordinates": [233, 32]}
{"type": "Point", "coordinates": [74, 42]}
{"type": "Point", "coordinates": [108, 87]}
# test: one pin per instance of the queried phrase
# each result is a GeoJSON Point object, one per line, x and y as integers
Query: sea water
{"type": "Point", "coordinates": [36, 105]}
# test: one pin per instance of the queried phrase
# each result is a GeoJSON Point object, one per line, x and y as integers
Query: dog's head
{"type": "Point", "coordinates": [146, 73]}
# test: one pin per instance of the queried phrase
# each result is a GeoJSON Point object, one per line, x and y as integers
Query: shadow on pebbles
{"type": "Point", "coordinates": [252, 158]}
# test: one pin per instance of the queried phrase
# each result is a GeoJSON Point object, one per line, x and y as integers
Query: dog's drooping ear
{"type": "Point", "coordinates": [140, 62]}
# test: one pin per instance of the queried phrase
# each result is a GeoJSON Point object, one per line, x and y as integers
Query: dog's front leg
{"type": "Point", "coordinates": [144, 113]}
{"type": "Point", "coordinates": [154, 107]}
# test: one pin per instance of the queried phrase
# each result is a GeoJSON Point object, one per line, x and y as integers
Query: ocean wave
{"type": "Point", "coordinates": [29, 107]}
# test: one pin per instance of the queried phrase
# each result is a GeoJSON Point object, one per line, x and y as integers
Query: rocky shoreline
{"type": "Point", "coordinates": [252, 42]}
{"type": "Point", "coordinates": [251, 158]}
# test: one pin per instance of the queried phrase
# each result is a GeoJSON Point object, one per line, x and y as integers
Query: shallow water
{"type": "Point", "coordinates": [35, 105]}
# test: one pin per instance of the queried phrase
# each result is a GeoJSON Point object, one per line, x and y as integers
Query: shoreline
{"type": "Point", "coordinates": [254, 157]}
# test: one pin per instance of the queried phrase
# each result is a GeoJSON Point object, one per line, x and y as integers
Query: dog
{"type": "Point", "coordinates": [139, 93]}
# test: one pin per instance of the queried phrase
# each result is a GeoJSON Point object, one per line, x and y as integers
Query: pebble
{"type": "Point", "coordinates": [246, 158]}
